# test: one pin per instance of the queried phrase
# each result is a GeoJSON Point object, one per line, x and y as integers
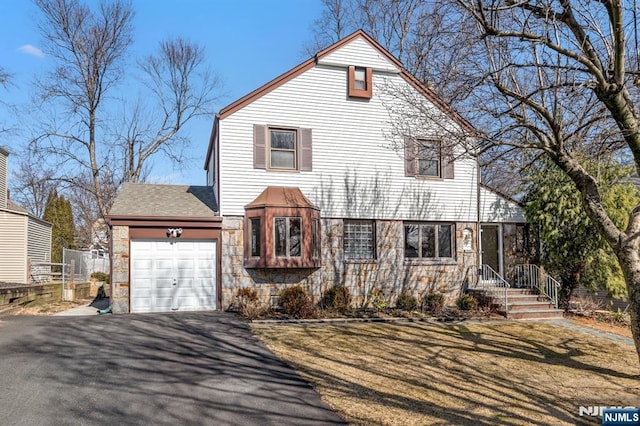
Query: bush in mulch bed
{"type": "Point", "coordinates": [295, 302]}
{"type": "Point", "coordinates": [406, 302]}
{"type": "Point", "coordinates": [336, 299]}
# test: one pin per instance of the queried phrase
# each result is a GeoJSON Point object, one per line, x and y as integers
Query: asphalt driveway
{"type": "Point", "coordinates": [178, 369]}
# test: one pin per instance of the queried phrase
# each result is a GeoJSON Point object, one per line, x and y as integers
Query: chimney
{"type": "Point", "coordinates": [4, 192]}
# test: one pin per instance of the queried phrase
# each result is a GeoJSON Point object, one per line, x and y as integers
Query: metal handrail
{"type": "Point", "coordinates": [532, 276]}
{"type": "Point", "coordinates": [489, 277]}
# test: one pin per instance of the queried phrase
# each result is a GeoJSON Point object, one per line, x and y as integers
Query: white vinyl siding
{"type": "Point", "coordinates": [39, 241]}
{"type": "Point", "coordinates": [13, 247]}
{"type": "Point", "coordinates": [355, 173]}
{"type": "Point", "coordinates": [494, 208]}
{"type": "Point", "coordinates": [3, 181]}
{"type": "Point", "coordinates": [360, 53]}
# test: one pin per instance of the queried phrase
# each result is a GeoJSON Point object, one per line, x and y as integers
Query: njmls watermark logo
{"type": "Point", "coordinates": [613, 416]}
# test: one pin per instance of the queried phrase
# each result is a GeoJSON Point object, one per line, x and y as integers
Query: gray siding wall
{"type": "Point", "coordinates": [38, 240]}
{"type": "Point", "coordinates": [13, 247]}
{"type": "Point", "coordinates": [3, 179]}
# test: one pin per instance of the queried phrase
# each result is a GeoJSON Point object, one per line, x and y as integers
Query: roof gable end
{"type": "Point", "coordinates": [377, 57]}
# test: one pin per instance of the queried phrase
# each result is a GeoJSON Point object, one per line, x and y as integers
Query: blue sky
{"type": "Point", "coordinates": [247, 44]}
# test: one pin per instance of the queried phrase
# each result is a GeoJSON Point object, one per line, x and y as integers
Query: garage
{"type": "Point", "coordinates": [173, 275]}
{"type": "Point", "coordinates": [165, 249]}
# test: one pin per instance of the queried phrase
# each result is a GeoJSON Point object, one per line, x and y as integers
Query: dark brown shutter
{"type": "Point", "coordinates": [448, 163]}
{"type": "Point", "coordinates": [306, 151]}
{"type": "Point", "coordinates": [410, 149]}
{"type": "Point", "coordinates": [259, 146]}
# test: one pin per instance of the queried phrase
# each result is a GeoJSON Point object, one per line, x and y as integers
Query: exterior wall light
{"type": "Point", "coordinates": [174, 232]}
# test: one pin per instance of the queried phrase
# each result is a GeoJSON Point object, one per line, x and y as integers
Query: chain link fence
{"type": "Point", "coordinates": [79, 265]}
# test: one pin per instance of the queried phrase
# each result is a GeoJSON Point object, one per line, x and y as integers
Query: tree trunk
{"type": "Point", "coordinates": [629, 258]}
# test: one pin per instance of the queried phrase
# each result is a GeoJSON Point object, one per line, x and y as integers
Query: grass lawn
{"type": "Point", "coordinates": [474, 373]}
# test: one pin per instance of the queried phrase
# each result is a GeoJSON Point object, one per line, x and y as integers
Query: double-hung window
{"type": "Point", "coordinates": [287, 236]}
{"type": "Point", "coordinates": [360, 82]}
{"type": "Point", "coordinates": [429, 158]}
{"type": "Point", "coordinates": [283, 149]}
{"type": "Point", "coordinates": [429, 240]}
{"type": "Point", "coordinates": [359, 239]}
{"type": "Point", "coordinates": [256, 231]}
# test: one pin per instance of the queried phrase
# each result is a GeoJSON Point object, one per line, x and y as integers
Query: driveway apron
{"type": "Point", "coordinates": [178, 369]}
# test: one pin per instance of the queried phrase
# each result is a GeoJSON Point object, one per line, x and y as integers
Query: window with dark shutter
{"type": "Point", "coordinates": [259, 146]}
{"type": "Point", "coordinates": [409, 156]}
{"type": "Point", "coordinates": [428, 158]}
{"type": "Point", "coordinates": [306, 150]}
{"type": "Point", "coordinates": [448, 166]}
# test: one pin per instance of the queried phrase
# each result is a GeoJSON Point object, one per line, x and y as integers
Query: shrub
{"type": "Point", "coordinates": [377, 300]}
{"type": "Point", "coordinates": [101, 276]}
{"type": "Point", "coordinates": [246, 302]}
{"type": "Point", "coordinates": [466, 302]}
{"type": "Point", "coordinates": [337, 298]}
{"type": "Point", "coordinates": [433, 303]}
{"type": "Point", "coordinates": [406, 302]}
{"type": "Point", "coordinates": [245, 296]}
{"type": "Point", "coordinates": [297, 303]}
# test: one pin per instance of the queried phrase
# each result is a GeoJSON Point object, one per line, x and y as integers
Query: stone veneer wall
{"type": "Point", "coordinates": [120, 269]}
{"type": "Point", "coordinates": [390, 272]}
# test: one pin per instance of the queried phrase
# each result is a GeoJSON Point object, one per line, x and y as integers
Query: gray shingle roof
{"type": "Point", "coordinates": [139, 199]}
{"type": "Point", "coordinates": [16, 207]}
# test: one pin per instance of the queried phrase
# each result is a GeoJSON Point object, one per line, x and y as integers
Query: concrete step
{"type": "Point", "coordinates": [535, 314]}
{"type": "Point", "coordinates": [517, 298]}
{"type": "Point", "coordinates": [523, 298]}
{"type": "Point", "coordinates": [529, 306]}
{"type": "Point", "coordinates": [499, 291]}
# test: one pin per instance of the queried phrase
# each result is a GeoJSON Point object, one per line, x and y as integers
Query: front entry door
{"type": "Point", "coordinates": [490, 242]}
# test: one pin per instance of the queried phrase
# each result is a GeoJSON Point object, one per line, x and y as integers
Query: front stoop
{"type": "Point", "coordinates": [522, 303]}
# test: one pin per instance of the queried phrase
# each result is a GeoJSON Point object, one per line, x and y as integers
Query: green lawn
{"type": "Point", "coordinates": [475, 373]}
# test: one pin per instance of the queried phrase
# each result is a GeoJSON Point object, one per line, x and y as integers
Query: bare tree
{"type": "Point", "coordinates": [182, 87]}
{"type": "Point", "coordinates": [92, 150]}
{"type": "Point", "coordinates": [428, 37]}
{"type": "Point", "coordinates": [31, 186]}
{"type": "Point", "coordinates": [4, 77]}
{"type": "Point", "coordinates": [559, 83]}
{"type": "Point", "coordinates": [89, 49]}
{"type": "Point", "coordinates": [334, 23]}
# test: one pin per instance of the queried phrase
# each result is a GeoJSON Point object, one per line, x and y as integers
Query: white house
{"type": "Point", "coordinates": [330, 174]}
{"type": "Point", "coordinates": [24, 238]}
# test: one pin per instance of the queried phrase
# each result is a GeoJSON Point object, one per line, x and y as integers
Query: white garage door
{"type": "Point", "coordinates": [173, 275]}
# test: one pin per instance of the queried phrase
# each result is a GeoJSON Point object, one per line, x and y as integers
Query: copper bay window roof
{"type": "Point", "coordinates": [279, 196]}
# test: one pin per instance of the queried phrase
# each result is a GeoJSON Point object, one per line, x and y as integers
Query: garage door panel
{"type": "Point", "coordinates": [186, 264]}
{"type": "Point", "coordinates": [163, 283]}
{"type": "Point", "coordinates": [173, 275]}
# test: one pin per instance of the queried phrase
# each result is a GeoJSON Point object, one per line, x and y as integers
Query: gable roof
{"type": "Point", "coordinates": [149, 200]}
{"type": "Point", "coordinates": [422, 88]}
{"type": "Point", "coordinates": [311, 62]}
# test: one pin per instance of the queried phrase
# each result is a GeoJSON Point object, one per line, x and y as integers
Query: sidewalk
{"type": "Point", "coordinates": [89, 309]}
{"type": "Point", "coordinates": [594, 332]}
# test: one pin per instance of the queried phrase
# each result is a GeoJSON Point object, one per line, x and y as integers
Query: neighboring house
{"type": "Point", "coordinates": [24, 238]}
{"type": "Point", "coordinates": [320, 177]}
